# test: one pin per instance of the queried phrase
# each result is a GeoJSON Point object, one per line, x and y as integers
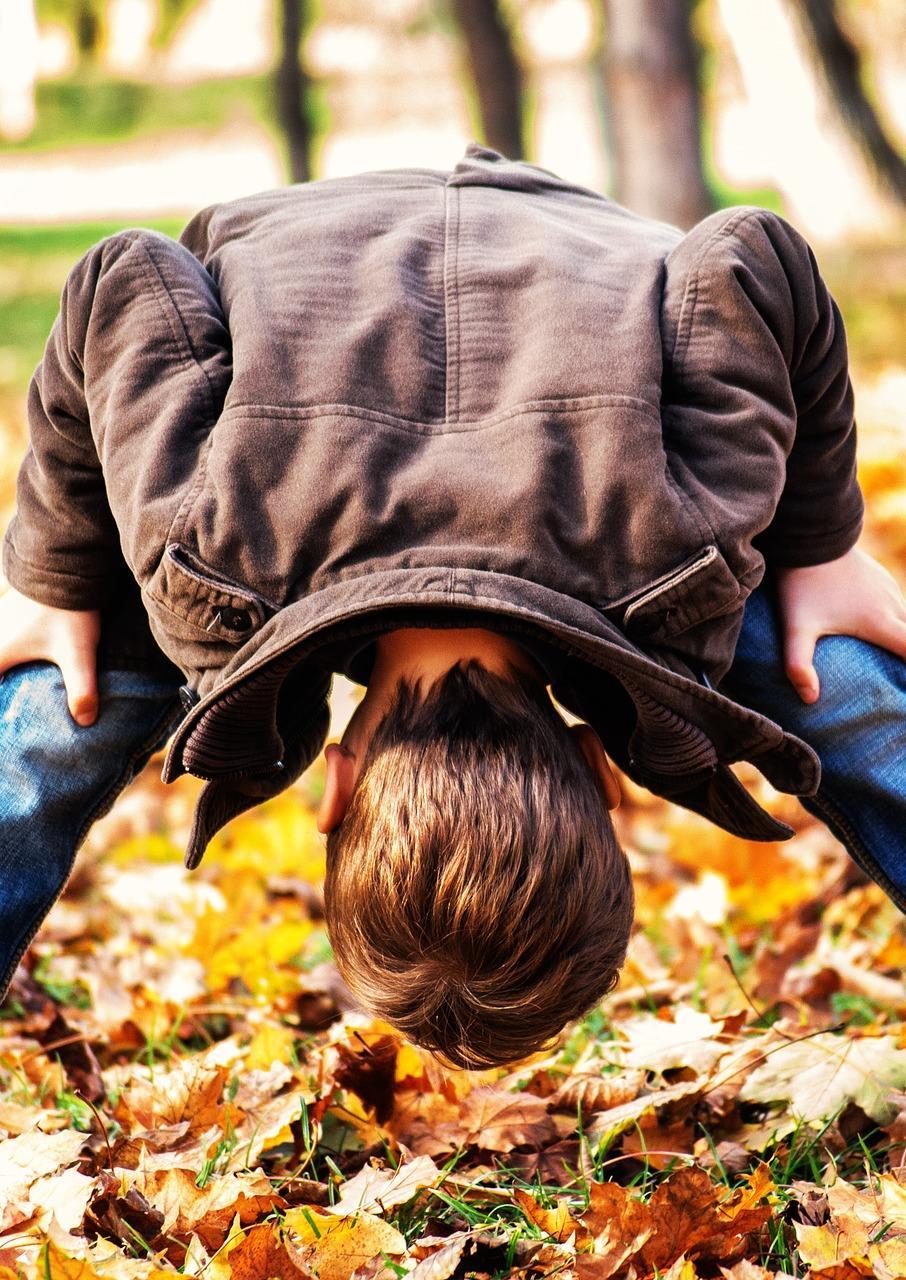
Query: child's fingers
{"type": "Point", "coordinates": [799, 650]}
{"type": "Point", "coordinates": [78, 663]}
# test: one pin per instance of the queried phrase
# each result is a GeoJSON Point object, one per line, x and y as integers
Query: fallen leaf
{"type": "Point", "coordinates": [382, 1189]}
{"type": "Point", "coordinates": [335, 1246]}
{"type": "Point", "coordinates": [818, 1074]}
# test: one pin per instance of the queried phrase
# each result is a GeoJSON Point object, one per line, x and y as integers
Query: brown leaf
{"type": "Point", "coordinates": [497, 1120]}
{"type": "Point", "coordinates": [191, 1091]}
{"type": "Point", "coordinates": [746, 1270]}
{"type": "Point", "coordinates": [334, 1247]}
{"type": "Point", "coordinates": [592, 1092]}
{"type": "Point", "coordinates": [378, 1190]}
{"type": "Point", "coordinates": [209, 1210]}
{"type": "Point", "coordinates": [614, 1227]}
{"type": "Point", "coordinates": [259, 1252]}
{"type": "Point", "coordinates": [370, 1072]}
{"type": "Point", "coordinates": [26, 1159]}
{"type": "Point", "coordinates": [83, 1071]}
{"type": "Point", "coordinates": [688, 1219]}
{"type": "Point", "coordinates": [557, 1222]}
{"type": "Point", "coordinates": [562, 1164]}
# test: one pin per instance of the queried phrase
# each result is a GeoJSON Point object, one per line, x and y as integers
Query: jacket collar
{"type": "Point", "coordinates": [662, 726]}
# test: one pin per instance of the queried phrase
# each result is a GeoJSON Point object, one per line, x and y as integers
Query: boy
{"type": "Point", "coordinates": [462, 435]}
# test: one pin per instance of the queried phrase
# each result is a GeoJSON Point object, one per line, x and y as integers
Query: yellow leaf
{"type": "Point", "coordinates": [271, 1043]}
{"type": "Point", "coordinates": [336, 1246]}
{"type": "Point", "coordinates": [557, 1222]}
{"type": "Point", "coordinates": [59, 1266]}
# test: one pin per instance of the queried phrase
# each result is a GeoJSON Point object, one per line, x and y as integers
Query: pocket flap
{"type": "Point", "coordinates": [701, 587]}
{"type": "Point", "coordinates": [207, 598]}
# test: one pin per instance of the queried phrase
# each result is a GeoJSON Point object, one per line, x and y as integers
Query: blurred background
{"type": "Point", "coordinates": [116, 113]}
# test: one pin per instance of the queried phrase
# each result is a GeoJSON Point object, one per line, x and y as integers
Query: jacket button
{"type": "Point", "coordinates": [235, 619]}
{"type": "Point", "coordinates": [187, 696]}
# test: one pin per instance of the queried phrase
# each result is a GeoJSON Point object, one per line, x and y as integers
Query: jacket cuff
{"type": "Point", "coordinates": [786, 551]}
{"type": "Point", "coordinates": [49, 586]}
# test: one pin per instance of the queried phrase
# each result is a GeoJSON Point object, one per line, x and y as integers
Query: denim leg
{"type": "Point", "coordinates": [58, 777]}
{"type": "Point", "coordinates": [857, 727]}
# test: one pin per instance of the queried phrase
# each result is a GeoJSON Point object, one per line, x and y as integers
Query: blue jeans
{"type": "Point", "coordinates": [857, 727]}
{"type": "Point", "coordinates": [58, 777]}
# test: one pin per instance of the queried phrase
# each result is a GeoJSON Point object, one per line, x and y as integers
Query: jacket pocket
{"type": "Point", "coordinates": [701, 587]}
{"type": "Point", "coordinates": [207, 599]}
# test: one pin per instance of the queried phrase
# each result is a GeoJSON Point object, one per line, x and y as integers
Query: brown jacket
{"type": "Point", "coordinates": [484, 394]}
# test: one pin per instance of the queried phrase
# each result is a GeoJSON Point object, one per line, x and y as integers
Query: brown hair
{"type": "Point", "coordinates": [476, 897]}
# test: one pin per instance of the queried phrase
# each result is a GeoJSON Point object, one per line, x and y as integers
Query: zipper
{"type": "Point", "coordinates": [671, 579]}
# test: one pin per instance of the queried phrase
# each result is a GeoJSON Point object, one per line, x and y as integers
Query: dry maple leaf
{"type": "Point", "coordinates": [593, 1092]}
{"type": "Point", "coordinates": [746, 1270]}
{"type": "Point", "coordinates": [255, 1253]}
{"type": "Point", "coordinates": [683, 1217]}
{"type": "Point", "coordinates": [687, 1040]}
{"type": "Point", "coordinates": [688, 1219]}
{"type": "Point", "coordinates": [607, 1124]}
{"type": "Point", "coordinates": [616, 1224]}
{"type": "Point", "coordinates": [488, 1118]}
{"type": "Point", "coordinates": [191, 1091]}
{"type": "Point", "coordinates": [862, 1226]}
{"type": "Point", "coordinates": [443, 1262]}
{"type": "Point", "coordinates": [557, 1222]}
{"type": "Point", "coordinates": [817, 1075]}
{"type": "Point", "coordinates": [56, 1265]}
{"type": "Point", "coordinates": [207, 1211]}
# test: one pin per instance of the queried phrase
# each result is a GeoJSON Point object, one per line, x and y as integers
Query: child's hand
{"type": "Point", "coordinates": [67, 637]}
{"type": "Point", "coordinates": [851, 596]}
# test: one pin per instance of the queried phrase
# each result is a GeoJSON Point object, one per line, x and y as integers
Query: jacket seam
{"type": "Point", "coordinates": [554, 404]}
{"type": "Point", "coordinates": [180, 354]}
{"type": "Point", "coordinates": [186, 351]}
{"type": "Point", "coordinates": [451, 303]}
{"type": "Point", "coordinates": [691, 292]}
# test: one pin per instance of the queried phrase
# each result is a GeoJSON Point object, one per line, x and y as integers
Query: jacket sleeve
{"type": "Point", "coordinates": [138, 354]}
{"type": "Point", "coordinates": [61, 547]}
{"type": "Point", "coordinates": [757, 395]}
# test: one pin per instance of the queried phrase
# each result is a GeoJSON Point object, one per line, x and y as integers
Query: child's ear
{"type": "Point", "coordinates": [338, 786]}
{"type": "Point", "coordinates": [593, 750]}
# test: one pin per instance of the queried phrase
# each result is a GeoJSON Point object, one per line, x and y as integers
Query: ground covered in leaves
{"type": "Point", "coordinates": [187, 1086]}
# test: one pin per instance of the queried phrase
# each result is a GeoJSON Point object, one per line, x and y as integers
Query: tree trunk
{"type": "Point", "coordinates": [88, 28]}
{"type": "Point", "coordinates": [654, 124]}
{"type": "Point", "coordinates": [840, 62]}
{"type": "Point", "coordinates": [18, 68]}
{"type": "Point", "coordinates": [496, 73]}
{"type": "Point", "coordinates": [291, 85]}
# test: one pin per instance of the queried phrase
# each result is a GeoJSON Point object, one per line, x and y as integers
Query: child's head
{"type": "Point", "coordinates": [476, 896]}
